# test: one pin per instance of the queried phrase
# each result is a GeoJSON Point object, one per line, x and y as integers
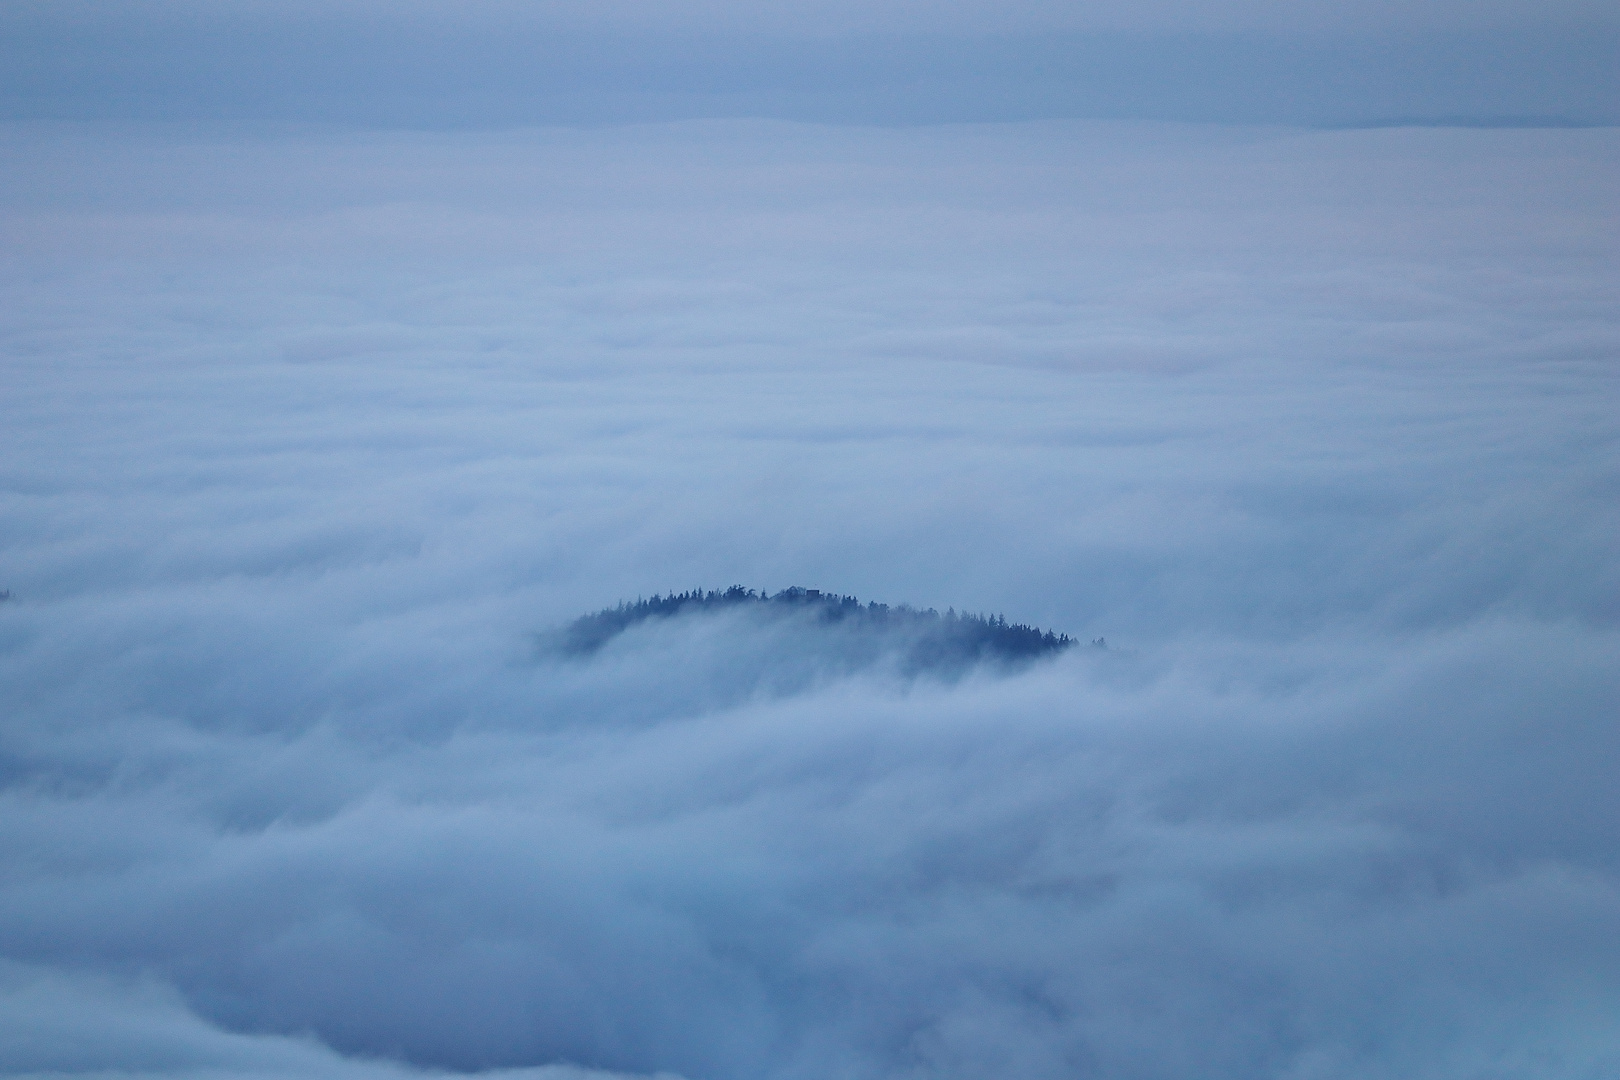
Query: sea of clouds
{"type": "Point", "coordinates": [309, 438]}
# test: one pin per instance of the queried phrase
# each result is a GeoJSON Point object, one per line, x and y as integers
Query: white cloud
{"type": "Point", "coordinates": [306, 437]}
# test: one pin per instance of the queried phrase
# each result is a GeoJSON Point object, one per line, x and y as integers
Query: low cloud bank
{"type": "Point", "coordinates": [307, 439]}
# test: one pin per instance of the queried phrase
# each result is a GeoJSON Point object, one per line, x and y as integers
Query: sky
{"type": "Point", "coordinates": [501, 63]}
{"type": "Point", "coordinates": [320, 419]}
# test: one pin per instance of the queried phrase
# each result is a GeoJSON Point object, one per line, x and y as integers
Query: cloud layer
{"type": "Point", "coordinates": [306, 438]}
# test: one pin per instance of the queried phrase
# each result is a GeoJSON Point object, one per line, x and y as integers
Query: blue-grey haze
{"type": "Point", "coordinates": [308, 436]}
{"type": "Point", "coordinates": [497, 65]}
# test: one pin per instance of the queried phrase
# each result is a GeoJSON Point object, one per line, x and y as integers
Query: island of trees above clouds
{"type": "Point", "coordinates": [927, 639]}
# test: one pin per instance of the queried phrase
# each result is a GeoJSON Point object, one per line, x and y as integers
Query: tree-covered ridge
{"type": "Point", "coordinates": [932, 639]}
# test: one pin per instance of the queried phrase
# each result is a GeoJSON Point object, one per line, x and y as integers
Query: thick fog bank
{"type": "Point", "coordinates": [307, 440]}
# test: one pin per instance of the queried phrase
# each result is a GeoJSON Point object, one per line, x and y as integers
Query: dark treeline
{"type": "Point", "coordinates": [932, 640]}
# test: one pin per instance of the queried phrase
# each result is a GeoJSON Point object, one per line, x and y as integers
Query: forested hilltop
{"type": "Point", "coordinates": [927, 638]}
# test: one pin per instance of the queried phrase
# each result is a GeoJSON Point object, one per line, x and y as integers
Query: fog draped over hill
{"type": "Point", "coordinates": [309, 438]}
